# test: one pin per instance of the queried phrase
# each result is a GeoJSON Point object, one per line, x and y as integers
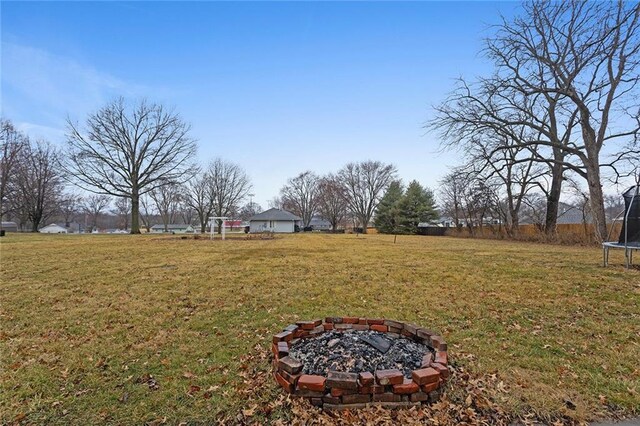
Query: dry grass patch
{"type": "Point", "coordinates": [132, 329]}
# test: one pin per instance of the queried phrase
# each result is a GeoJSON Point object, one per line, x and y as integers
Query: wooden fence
{"type": "Point", "coordinates": [574, 233]}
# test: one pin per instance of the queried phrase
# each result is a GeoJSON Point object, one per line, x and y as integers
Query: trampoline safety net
{"type": "Point", "coordinates": [631, 226]}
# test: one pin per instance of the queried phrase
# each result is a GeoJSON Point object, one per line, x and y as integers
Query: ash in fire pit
{"type": "Point", "coordinates": [354, 351]}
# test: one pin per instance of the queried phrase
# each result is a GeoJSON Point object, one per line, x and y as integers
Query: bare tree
{"type": "Point", "coordinates": [587, 54]}
{"type": "Point", "coordinates": [199, 196]}
{"type": "Point", "coordinates": [70, 207]}
{"type": "Point", "coordinates": [450, 196]}
{"type": "Point", "coordinates": [498, 123]}
{"type": "Point", "coordinates": [275, 203]}
{"type": "Point", "coordinates": [128, 152]}
{"type": "Point", "coordinates": [38, 182]}
{"type": "Point", "coordinates": [300, 195]}
{"type": "Point", "coordinates": [93, 206]}
{"type": "Point", "coordinates": [123, 211]}
{"type": "Point", "coordinates": [12, 143]}
{"type": "Point", "coordinates": [364, 184]}
{"type": "Point", "coordinates": [187, 213]}
{"type": "Point", "coordinates": [332, 200]}
{"type": "Point", "coordinates": [230, 184]}
{"type": "Point", "coordinates": [167, 200]}
{"type": "Point", "coordinates": [250, 209]}
{"type": "Point", "coordinates": [147, 212]}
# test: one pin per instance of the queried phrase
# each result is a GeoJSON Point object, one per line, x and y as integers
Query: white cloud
{"type": "Point", "coordinates": [40, 89]}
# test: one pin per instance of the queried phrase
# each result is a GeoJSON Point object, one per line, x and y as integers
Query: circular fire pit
{"type": "Point", "coordinates": [350, 362]}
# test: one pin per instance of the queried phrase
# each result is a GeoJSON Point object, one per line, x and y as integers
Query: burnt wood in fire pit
{"type": "Point", "coordinates": [378, 342]}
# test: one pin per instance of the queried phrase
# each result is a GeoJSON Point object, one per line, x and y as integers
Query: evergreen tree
{"type": "Point", "coordinates": [387, 218]}
{"type": "Point", "coordinates": [417, 205]}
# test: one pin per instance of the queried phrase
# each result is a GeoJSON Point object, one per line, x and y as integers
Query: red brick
{"type": "Point", "coordinates": [291, 378]}
{"type": "Point", "coordinates": [291, 328]}
{"type": "Point", "coordinates": [317, 402]}
{"type": "Point", "coordinates": [342, 326]}
{"type": "Point", "coordinates": [436, 341]}
{"type": "Point", "coordinates": [350, 320]}
{"type": "Point", "coordinates": [389, 377]}
{"type": "Point", "coordinates": [333, 320]}
{"type": "Point", "coordinates": [441, 358]}
{"type": "Point", "coordinates": [425, 375]}
{"type": "Point", "coordinates": [328, 326]}
{"type": "Point", "coordinates": [331, 399]}
{"type": "Point", "coordinates": [405, 333]}
{"type": "Point", "coordinates": [285, 385]}
{"type": "Point", "coordinates": [425, 333]}
{"type": "Point", "coordinates": [407, 386]}
{"type": "Point", "coordinates": [392, 323]}
{"type": "Point", "coordinates": [309, 325]}
{"type": "Point", "coordinates": [366, 378]}
{"type": "Point", "coordinates": [274, 350]}
{"type": "Point", "coordinates": [361, 327]}
{"type": "Point", "coordinates": [362, 321]}
{"type": "Point", "coordinates": [337, 392]}
{"type": "Point", "coordinates": [427, 359]}
{"type": "Point", "coordinates": [419, 396]}
{"type": "Point", "coordinates": [283, 349]}
{"type": "Point", "coordinates": [387, 397]}
{"type": "Point", "coordinates": [336, 379]}
{"type": "Point", "coordinates": [372, 389]}
{"type": "Point", "coordinates": [443, 347]}
{"type": "Point", "coordinates": [442, 369]}
{"type": "Point", "coordinates": [356, 398]}
{"type": "Point", "coordinates": [283, 336]}
{"type": "Point", "coordinates": [374, 321]}
{"type": "Point", "coordinates": [290, 365]}
{"type": "Point", "coordinates": [378, 327]}
{"type": "Point", "coordinates": [411, 328]}
{"type": "Point", "coordinates": [396, 330]}
{"type": "Point", "coordinates": [430, 387]}
{"type": "Point", "coordinates": [311, 382]}
{"type": "Point", "coordinates": [300, 333]}
{"type": "Point", "coordinates": [317, 330]}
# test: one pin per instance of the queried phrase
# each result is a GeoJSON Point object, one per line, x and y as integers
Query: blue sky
{"type": "Point", "coordinates": [278, 87]}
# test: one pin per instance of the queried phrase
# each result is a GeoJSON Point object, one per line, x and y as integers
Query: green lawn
{"type": "Point", "coordinates": [132, 329]}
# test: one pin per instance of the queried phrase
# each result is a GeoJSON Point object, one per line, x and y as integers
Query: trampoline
{"type": "Point", "coordinates": [629, 239]}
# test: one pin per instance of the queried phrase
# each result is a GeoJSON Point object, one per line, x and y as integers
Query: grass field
{"type": "Point", "coordinates": [133, 329]}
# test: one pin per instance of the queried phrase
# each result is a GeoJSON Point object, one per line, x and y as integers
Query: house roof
{"type": "Point", "coordinates": [51, 225]}
{"type": "Point", "coordinates": [318, 221]}
{"type": "Point", "coordinates": [275, 214]}
{"type": "Point", "coordinates": [171, 226]}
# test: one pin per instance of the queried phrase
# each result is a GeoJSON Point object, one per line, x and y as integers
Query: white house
{"type": "Point", "coordinates": [173, 228]}
{"type": "Point", "coordinates": [273, 220]}
{"type": "Point", "coordinates": [9, 226]}
{"type": "Point", "coordinates": [53, 229]}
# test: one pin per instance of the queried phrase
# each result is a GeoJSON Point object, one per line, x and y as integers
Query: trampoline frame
{"type": "Point", "coordinates": [629, 248]}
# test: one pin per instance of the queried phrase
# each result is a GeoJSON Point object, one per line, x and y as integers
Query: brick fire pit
{"type": "Point", "coordinates": [389, 387]}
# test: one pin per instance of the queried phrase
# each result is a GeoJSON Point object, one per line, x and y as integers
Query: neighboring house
{"type": "Point", "coordinates": [9, 226]}
{"type": "Point", "coordinates": [568, 214]}
{"type": "Point", "coordinates": [174, 228]}
{"type": "Point", "coordinates": [274, 220]}
{"type": "Point", "coordinates": [319, 224]}
{"type": "Point", "coordinates": [53, 229]}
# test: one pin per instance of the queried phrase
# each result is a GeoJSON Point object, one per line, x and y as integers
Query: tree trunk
{"type": "Point", "coordinates": [553, 200]}
{"type": "Point", "coordinates": [596, 199]}
{"type": "Point", "coordinates": [365, 221]}
{"type": "Point", "coordinates": [135, 213]}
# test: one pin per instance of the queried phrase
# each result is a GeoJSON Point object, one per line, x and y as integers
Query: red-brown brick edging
{"type": "Point", "coordinates": [388, 388]}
